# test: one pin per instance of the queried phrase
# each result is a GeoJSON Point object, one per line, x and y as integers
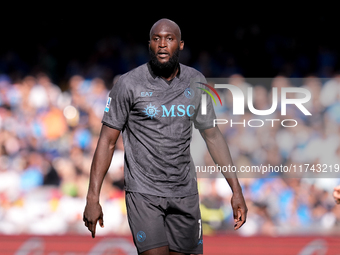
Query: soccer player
{"type": "Point", "coordinates": [336, 194]}
{"type": "Point", "coordinates": [154, 106]}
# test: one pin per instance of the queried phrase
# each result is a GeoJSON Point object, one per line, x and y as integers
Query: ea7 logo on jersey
{"type": "Point", "coordinates": [107, 107]}
{"type": "Point", "coordinates": [146, 94]}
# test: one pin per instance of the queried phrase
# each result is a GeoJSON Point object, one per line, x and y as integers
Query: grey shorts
{"type": "Point", "coordinates": [158, 221]}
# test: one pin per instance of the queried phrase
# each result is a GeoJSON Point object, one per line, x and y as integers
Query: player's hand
{"type": "Point", "coordinates": [336, 194]}
{"type": "Point", "coordinates": [239, 209]}
{"type": "Point", "coordinates": [93, 213]}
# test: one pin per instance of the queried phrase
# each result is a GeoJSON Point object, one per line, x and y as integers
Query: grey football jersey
{"type": "Point", "coordinates": [156, 123]}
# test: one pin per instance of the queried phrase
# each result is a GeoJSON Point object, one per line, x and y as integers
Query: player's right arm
{"type": "Point", "coordinates": [100, 165]}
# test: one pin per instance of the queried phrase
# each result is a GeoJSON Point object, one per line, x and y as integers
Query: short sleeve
{"type": "Point", "coordinates": [117, 106]}
{"type": "Point", "coordinates": [203, 120]}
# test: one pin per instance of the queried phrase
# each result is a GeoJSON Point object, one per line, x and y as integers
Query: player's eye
{"type": "Point", "coordinates": [170, 38]}
{"type": "Point", "coordinates": [156, 39]}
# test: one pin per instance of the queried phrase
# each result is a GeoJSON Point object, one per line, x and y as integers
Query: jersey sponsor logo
{"type": "Point", "coordinates": [173, 111]}
{"type": "Point", "coordinates": [146, 94]}
{"type": "Point", "coordinates": [189, 93]}
{"type": "Point", "coordinates": [151, 110]}
{"type": "Point", "coordinates": [179, 111]}
{"type": "Point", "coordinates": [107, 107]}
{"type": "Point", "coordinates": [141, 236]}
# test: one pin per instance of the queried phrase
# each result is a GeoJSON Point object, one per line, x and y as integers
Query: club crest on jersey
{"type": "Point", "coordinates": [107, 107]}
{"type": "Point", "coordinates": [189, 93]}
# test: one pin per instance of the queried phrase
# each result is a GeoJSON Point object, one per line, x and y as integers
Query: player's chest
{"type": "Point", "coordinates": [162, 104]}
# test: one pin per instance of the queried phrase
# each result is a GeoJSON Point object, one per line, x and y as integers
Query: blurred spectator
{"type": "Point", "coordinates": [336, 194]}
{"type": "Point", "coordinates": [47, 140]}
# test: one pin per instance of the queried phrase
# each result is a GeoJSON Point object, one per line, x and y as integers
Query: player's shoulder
{"type": "Point", "coordinates": [188, 72]}
{"type": "Point", "coordinates": [131, 77]}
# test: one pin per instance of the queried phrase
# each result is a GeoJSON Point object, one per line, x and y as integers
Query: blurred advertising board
{"type": "Point", "coordinates": [85, 245]}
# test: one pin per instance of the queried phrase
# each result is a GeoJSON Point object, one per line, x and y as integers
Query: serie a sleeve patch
{"type": "Point", "coordinates": [107, 107]}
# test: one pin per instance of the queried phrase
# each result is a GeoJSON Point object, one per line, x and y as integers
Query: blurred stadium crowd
{"type": "Point", "coordinates": [48, 133]}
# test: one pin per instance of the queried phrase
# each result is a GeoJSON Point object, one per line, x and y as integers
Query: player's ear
{"type": "Point", "coordinates": [181, 45]}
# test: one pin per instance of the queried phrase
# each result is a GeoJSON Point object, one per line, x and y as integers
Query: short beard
{"type": "Point", "coordinates": [164, 69]}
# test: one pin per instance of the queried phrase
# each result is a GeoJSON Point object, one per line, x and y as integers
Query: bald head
{"type": "Point", "coordinates": [164, 46]}
{"type": "Point", "coordinates": [166, 25]}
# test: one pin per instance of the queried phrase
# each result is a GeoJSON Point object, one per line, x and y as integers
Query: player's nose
{"type": "Point", "coordinates": [162, 43]}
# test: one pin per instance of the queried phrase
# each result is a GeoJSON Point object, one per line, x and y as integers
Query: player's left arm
{"type": "Point", "coordinates": [219, 152]}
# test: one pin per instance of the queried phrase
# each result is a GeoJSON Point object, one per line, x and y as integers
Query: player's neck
{"type": "Point", "coordinates": [172, 75]}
